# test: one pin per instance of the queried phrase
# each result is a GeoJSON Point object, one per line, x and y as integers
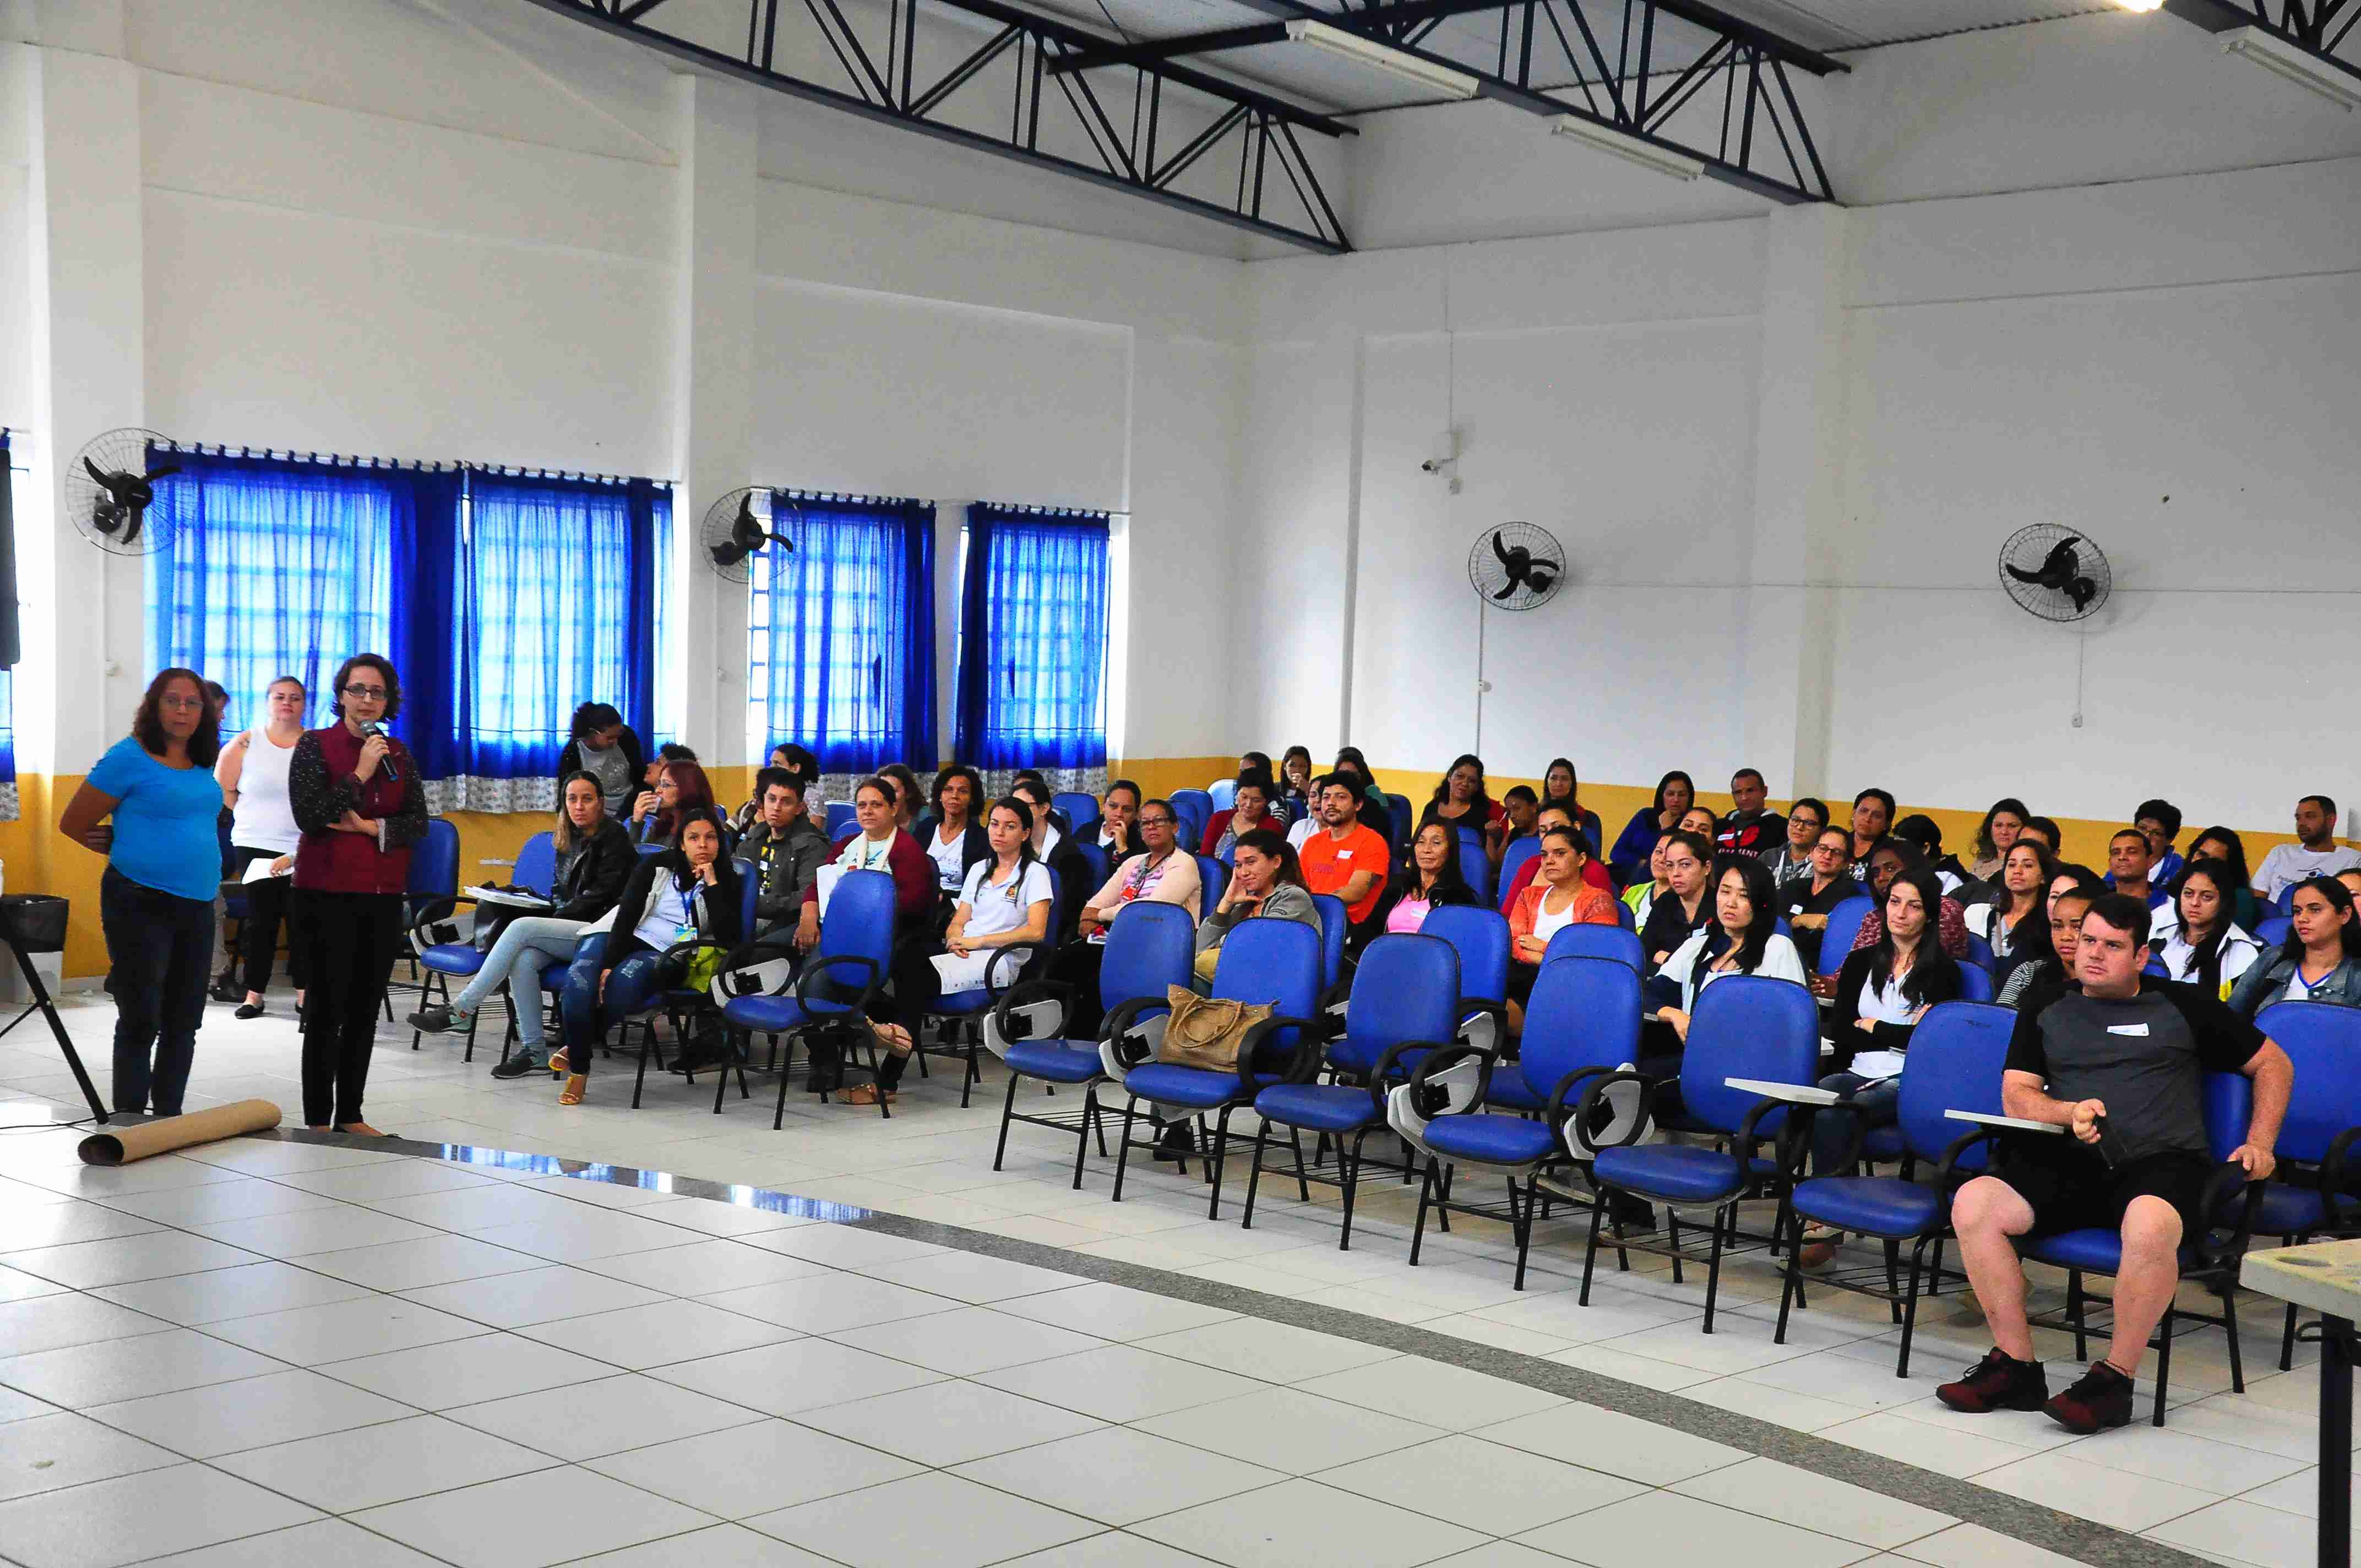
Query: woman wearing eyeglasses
{"type": "Point", "coordinates": [357, 797]}
{"type": "Point", "coordinates": [156, 899]}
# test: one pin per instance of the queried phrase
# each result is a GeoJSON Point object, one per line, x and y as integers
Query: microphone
{"type": "Point", "coordinates": [376, 732]}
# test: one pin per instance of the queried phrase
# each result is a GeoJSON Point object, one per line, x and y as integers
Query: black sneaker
{"type": "Point", "coordinates": [437, 1019]}
{"type": "Point", "coordinates": [226, 986]}
{"type": "Point", "coordinates": [249, 1010]}
{"type": "Point", "coordinates": [2100, 1398]}
{"type": "Point", "coordinates": [1177, 1142]}
{"type": "Point", "coordinates": [1998, 1382]}
{"type": "Point", "coordinates": [525, 1064]}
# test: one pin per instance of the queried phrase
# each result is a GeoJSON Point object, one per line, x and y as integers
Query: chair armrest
{"type": "Point", "coordinates": [2227, 1185]}
{"type": "Point", "coordinates": [750, 955]}
{"type": "Point", "coordinates": [1449, 1053]}
{"type": "Point", "coordinates": [1786, 1093]}
{"type": "Point", "coordinates": [1947, 1173]}
{"type": "Point", "coordinates": [993, 981]}
{"type": "Point", "coordinates": [424, 935]}
{"type": "Point", "coordinates": [2332, 1195]}
{"type": "Point", "coordinates": [1334, 1002]}
{"type": "Point", "coordinates": [1792, 1142]}
{"type": "Point", "coordinates": [819, 964]}
{"type": "Point", "coordinates": [1307, 1041]}
{"type": "Point", "coordinates": [1600, 1081]}
{"type": "Point", "coordinates": [1008, 1009]}
{"type": "Point", "coordinates": [1116, 1037]}
{"type": "Point", "coordinates": [2007, 1123]}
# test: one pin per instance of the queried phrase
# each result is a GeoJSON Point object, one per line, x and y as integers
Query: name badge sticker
{"type": "Point", "coordinates": [1343, 854]}
{"type": "Point", "coordinates": [2137, 1031]}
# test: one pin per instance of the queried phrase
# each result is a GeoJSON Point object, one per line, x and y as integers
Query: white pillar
{"type": "Point", "coordinates": [1790, 626]}
{"type": "Point", "coordinates": [81, 673]}
{"type": "Point", "coordinates": [712, 395]}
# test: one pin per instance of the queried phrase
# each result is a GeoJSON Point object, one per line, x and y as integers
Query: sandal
{"type": "Point", "coordinates": [577, 1085]}
{"type": "Point", "coordinates": [866, 1094]}
{"type": "Point", "coordinates": [558, 1063]}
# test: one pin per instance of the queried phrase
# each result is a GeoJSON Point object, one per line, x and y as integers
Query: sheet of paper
{"type": "Point", "coordinates": [259, 870]}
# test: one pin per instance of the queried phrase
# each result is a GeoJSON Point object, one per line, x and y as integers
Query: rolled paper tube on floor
{"type": "Point", "coordinates": [122, 1146]}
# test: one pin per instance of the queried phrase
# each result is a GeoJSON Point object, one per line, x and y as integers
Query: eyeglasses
{"type": "Point", "coordinates": [365, 693]}
{"type": "Point", "coordinates": [1156, 822]}
{"type": "Point", "coordinates": [182, 704]}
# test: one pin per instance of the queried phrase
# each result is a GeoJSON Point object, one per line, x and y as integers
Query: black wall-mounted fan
{"type": "Point", "coordinates": [736, 527]}
{"type": "Point", "coordinates": [2055, 571]}
{"type": "Point", "coordinates": [110, 488]}
{"type": "Point", "coordinates": [1516, 566]}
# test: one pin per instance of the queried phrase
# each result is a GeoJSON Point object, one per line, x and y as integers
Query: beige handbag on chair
{"type": "Point", "coordinates": [1207, 1032]}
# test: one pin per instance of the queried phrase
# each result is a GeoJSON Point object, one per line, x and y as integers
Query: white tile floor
{"type": "Point", "coordinates": [261, 1352]}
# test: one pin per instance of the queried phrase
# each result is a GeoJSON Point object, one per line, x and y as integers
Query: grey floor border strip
{"type": "Point", "coordinates": [2035, 1524]}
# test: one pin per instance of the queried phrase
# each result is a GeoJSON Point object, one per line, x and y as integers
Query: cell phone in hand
{"type": "Point", "coordinates": [2111, 1143]}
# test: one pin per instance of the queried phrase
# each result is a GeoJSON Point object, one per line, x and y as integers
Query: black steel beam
{"type": "Point", "coordinates": [1174, 47]}
{"type": "Point", "coordinates": [1264, 126]}
{"type": "Point", "coordinates": [1400, 18]}
{"type": "Point", "coordinates": [2317, 31]}
{"type": "Point", "coordinates": [1756, 91]}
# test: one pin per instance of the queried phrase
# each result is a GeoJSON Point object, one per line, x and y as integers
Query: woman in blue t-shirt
{"type": "Point", "coordinates": [163, 867]}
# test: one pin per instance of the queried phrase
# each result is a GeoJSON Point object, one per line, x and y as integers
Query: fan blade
{"type": "Point", "coordinates": [166, 472]}
{"type": "Point", "coordinates": [111, 483]}
{"type": "Point", "coordinates": [1507, 589]}
{"type": "Point", "coordinates": [2021, 574]}
{"type": "Point", "coordinates": [1551, 567]}
{"type": "Point", "coordinates": [1540, 578]}
{"type": "Point", "coordinates": [728, 554]}
{"type": "Point", "coordinates": [781, 540]}
{"type": "Point", "coordinates": [1501, 550]}
{"type": "Point", "coordinates": [2081, 590]}
{"type": "Point", "coordinates": [137, 515]}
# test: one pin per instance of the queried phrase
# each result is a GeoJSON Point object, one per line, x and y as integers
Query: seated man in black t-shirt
{"type": "Point", "coordinates": [2117, 1060]}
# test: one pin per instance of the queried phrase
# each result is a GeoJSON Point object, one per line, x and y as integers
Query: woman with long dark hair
{"type": "Point", "coordinates": [681, 790]}
{"type": "Point", "coordinates": [252, 773]}
{"type": "Point", "coordinates": [1995, 834]}
{"type": "Point", "coordinates": [686, 892]}
{"type": "Point", "coordinates": [1793, 859]}
{"type": "Point", "coordinates": [600, 744]}
{"type": "Point", "coordinates": [2223, 844]}
{"type": "Point", "coordinates": [1686, 904]}
{"type": "Point", "coordinates": [1741, 939]}
{"type": "Point", "coordinates": [1560, 786]}
{"type": "Point", "coordinates": [1462, 800]}
{"type": "Point", "coordinates": [1294, 780]}
{"type": "Point", "coordinates": [952, 830]}
{"type": "Point", "coordinates": [2027, 870]}
{"type": "Point", "coordinates": [1558, 896]}
{"type": "Point", "coordinates": [2194, 937]}
{"type": "Point", "coordinates": [1265, 883]}
{"type": "Point", "coordinates": [357, 798]}
{"type": "Point", "coordinates": [906, 793]}
{"type": "Point", "coordinates": [1675, 793]}
{"type": "Point", "coordinates": [156, 897]}
{"type": "Point", "coordinates": [2320, 961]}
{"type": "Point", "coordinates": [1434, 879]}
{"type": "Point", "coordinates": [1251, 808]}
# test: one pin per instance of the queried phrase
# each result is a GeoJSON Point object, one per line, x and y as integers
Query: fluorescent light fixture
{"type": "Point", "coordinates": [2141, 6]}
{"type": "Point", "coordinates": [1631, 149]}
{"type": "Point", "coordinates": [2306, 70]}
{"type": "Point", "coordinates": [1392, 61]}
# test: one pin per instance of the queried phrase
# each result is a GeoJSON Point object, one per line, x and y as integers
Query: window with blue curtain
{"type": "Point", "coordinates": [555, 604]}
{"type": "Point", "coordinates": [841, 632]}
{"type": "Point", "coordinates": [268, 566]}
{"type": "Point", "coordinates": [1033, 636]}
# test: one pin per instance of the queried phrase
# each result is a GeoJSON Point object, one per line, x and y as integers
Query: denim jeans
{"type": "Point", "coordinates": [585, 1013]}
{"type": "Point", "coordinates": [523, 948]}
{"type": "Point", "coordinates": [1878, 1101]}
{"type": "Point", "coordinates": [158, 947]}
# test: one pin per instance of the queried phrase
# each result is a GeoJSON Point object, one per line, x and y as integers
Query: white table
{"type": "Point", "coordinates": [2326, 1277]}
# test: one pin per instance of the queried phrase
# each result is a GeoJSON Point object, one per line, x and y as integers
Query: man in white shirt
{"type": "Point", "coordinates": [2319, 854]}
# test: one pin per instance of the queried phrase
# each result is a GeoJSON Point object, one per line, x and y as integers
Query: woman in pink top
{"type": "Point", "coordinates": [1435, 881]}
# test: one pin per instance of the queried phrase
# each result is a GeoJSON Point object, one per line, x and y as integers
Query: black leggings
{"type": "Point", "coordinates": [257, 934]}
{"type": "Point", "coordinates": [158, 947]}
{"type": "Point", "coordinates": [347, 943]}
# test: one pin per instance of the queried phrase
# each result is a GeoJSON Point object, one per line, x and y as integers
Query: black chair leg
{"type": "Point", "coordinates": [2075, 1308]}
{"type": "Point", "coordinates": [2286, 1340]}
{"type": "Point", "coordinates": [2230, 1323]}
{"type": "Point", "coordinates": [2163, 1367]}
{"type": "Point", "coordinates": [1590, 1252]}
{"type": "Point", "coordinates": [1790, 1278]}
{"type": "Point", "coordinates": [1254, 1172]}
{"type": "Point", "coordinates": [779, 1116]}
{"type": "Point", "coordinates": [647, 1045]}
{"type": "Point", "coordinates": [1303, 1185]}
{"type": "Point", "coordinates": [1910, 1313]}
{"type": "Point", "coordinates": [1008, 1111]}
{"type": "Point", "coordinates": [1426, 1185]}
{"type": "Point", "coordinates": [1221, 1159]}
{"type": "Point", "coordinates": [1893, 1279]}
{"type": "Point", "coordinates": [1520, 1219]}
{"type": "Point", "coordinates": [1352, 1173]}
{"type": "Point", "coordinates": [1090, 1118]}
{"type": "Point", "coordinates": [1713, 1268]}
{"type": "Point", "coordinates": [1123, 1143]}
{"type": "Point", "coordinates": [1672, 1239]}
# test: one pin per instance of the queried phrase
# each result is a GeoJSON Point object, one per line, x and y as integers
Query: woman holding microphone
{"type": "Point", "coordinates": [356, 796]}
{"type": "Point", "coordinates": [253, 777]}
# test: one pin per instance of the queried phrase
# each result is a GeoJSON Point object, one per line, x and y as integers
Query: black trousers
{"type": "Point", "coordinates": [158, 947]}
{"type": "Point", "coordinates": [257, 937]}
{"type": "Point", "coordinates": [346, 943]}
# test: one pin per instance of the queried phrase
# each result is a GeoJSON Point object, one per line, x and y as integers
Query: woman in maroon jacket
{"type": "Point", "coordinates": [880, 846]}
{"type": "Point", "coordinates": [357, 798]}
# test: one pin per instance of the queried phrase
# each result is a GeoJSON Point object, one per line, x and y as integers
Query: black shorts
{"type": "Point", "coordinates": [2071, 1187]}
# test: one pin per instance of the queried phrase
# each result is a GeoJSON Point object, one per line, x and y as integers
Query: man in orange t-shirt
{"type": "Point", "coordinates": [1343, 858]}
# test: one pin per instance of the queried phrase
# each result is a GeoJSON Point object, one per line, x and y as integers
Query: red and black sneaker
{"type": "Point", "coordinates": [1998, 1382]}
{"type": "Point", "coordinates": [2100, 1398]}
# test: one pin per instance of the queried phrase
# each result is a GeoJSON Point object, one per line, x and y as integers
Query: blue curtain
{"type": "Point", "coordinates": [1033, 633]}
{"type": "Point", "coordinates": [268, 566]}
{"type": "Point", "coordinates": [840, 633]}
{"type": "Point", "coordinates": [552, 605]}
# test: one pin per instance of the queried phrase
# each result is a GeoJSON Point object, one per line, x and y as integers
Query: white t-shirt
{"type": "Point", "coordinates": [667, 917]}
{"type": "Point", "coordinates": [2239, 952]}
{"type": "Point", "coordinates": [950, 858]}
{"type": "Point", "coordinates": [1546, 925]}
{"type": "Point", "coordinates": [2292, 863]}
{"type": "Point", "coordinates": [1300, 831]}
{"type": "Point", "coordinates": [1884, 1003]}
{"type": "Point", "coordinates": [1687, 969]}
{"type": "Point", "coordinates": [996, 907]}
{"type": "Point", "coordinates": [263, 818]}
{"type": "Point", "coordinates": [1983, 920]}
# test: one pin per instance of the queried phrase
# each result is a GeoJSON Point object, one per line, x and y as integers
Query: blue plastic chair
{"type": "Point", "coordinates": [428, 906]}
{"type": "Point", "coordinates": [1584, 940]}
{"type": "Point", "coordinates": [1150, 949]}
{"type": "Point", "coordinates": [2232, 1204]}
{"type": "Point", "coordinates": [1480, 938]}
{"type": "Point", "coordinates": [2323, 1121]}
{"type": "Point", "coordinates": [1081, 810]}
{"type": "Point", "coordinates": [1213, 881]}
{"type": "Point", "coordinates": [2285, 901]}
{"type": "Point", "coordinates": [647, 849]}
{"type": "Point", "coordinates": [1975, 984]}
{"type": "Point", "coordinates": [1954, 1064]}
{"type": "Point", "coordinates": [2273, 933]}
{"type": "Point", "coordinates": [1191, 808]}
{"type": "Point", "coordinates": [842, 820]}
{"type": "Point", "coordinates": [1744, 1026]}
{"type": "Point", "coordinates": [1473, 863]}
{"type": "Point", "coordinates": [1627, 918]}
{"type": "Point", "coordinates": [1096, 859]}
{"type": "Point", "coordinates": [1512, 860]}
{"type": "Point", "coordinates": [1223, 793]}
{"type": "Point", "coordinates": [1843, 928]}
{"type": "Point", "coordinates": [1273, 963]}
{"type": "Point", "coordinates": [837, 984]}
{"type": "Point", "coordinates": [1334, 921]}
{"type": "Point", "coordinates": [1582, 1018]}
{"type": "Point", "coordinates": [1979, 955]}
{"type": "Point", "coordinates": [536, 863]}
{"type": "Point", "coordinates": [1405, 1005]}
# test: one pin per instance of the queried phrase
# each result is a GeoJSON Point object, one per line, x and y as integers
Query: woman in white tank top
{"type": "Point", "coordinates": [253, 776]}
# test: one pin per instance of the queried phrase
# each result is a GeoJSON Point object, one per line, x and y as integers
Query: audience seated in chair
{"type": "Point", "coordinates": [1343, 858]}
{"type": "Point", "coordinates": [2116, 1060]}
{"type": "Point", "coordinates": [2041, 972]}
{"type": "Point", "coordinates": [1891, 856]}
{"type": "Point", "coordinates": [1159, 871]}
{"type": "Point", "coordinates": [2161, 821]}
{"type": "Point", "coordinates": [2021, 905]}
{"type": "Point", "coordinates": [1117, 833]}
{"type": "Point", "coordinates": [1740, 937]}
{"type": "Point", "coordinates": [1808, 899]}
{"type": "Point", "coordinates": [1920, 832]}
{"type": "Point", "coordinates": [1751, 827]}
{"type": "Point", "coordinates": [1675, 793]}
{"type": "Point", "coordinates": [1250, 810]}
{"type": "Point", "coordinates": [1557, 813]}
{"type": "Point", "coordinates": [1873, 817]}
{"type": "Point", "coordinates": [2224, 845]}
{"type": "Point", "coordinates": [1433, 880]}
{"type": "Point", "coordinates": [690, 892]}
{"type": "Point", "coordinates": [952, 833]}
{"type": "Point", "coordinates": [907, 794]}
{"type": "Point", "coordinates": [1265, 883]}
{"type": "Point", "coordinates": [2193, 935]}
{"type": "Point", "coordinates": [2316, 852]}
{"type": "Point", "coordinates": [1792, 858]}
{"type": "Point", "coordinates": [600, 744]}
{"type": "Point", "coordinates": [1462, 800]}
{"type": "Point", "coordinates": [802, 768]}
{"type": "Point", "coordinates": [1882, 993]}
{"type": "Point", "coordinates": [878, 845]}
{"type": "Point", "coordinates": [1995, 834]}
{"type": "Point", "coordinates": [681, 790]}
{"type": "Point", "coordinates": [786, 847]}
{"type": "Point", "coordinates": [2131, 858]}
{"type": "Point", "coordinates": [2320, 961]}
{"type": "Point", "coordinates": [1686, 906]}
{"type": "Point", "coordinates": [1557, 897]}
